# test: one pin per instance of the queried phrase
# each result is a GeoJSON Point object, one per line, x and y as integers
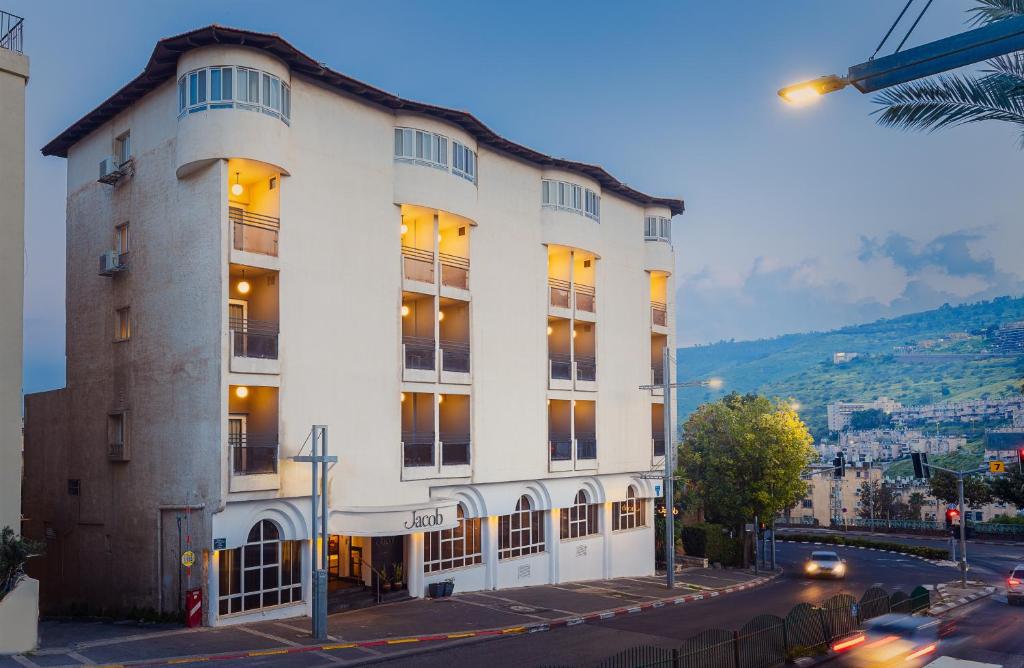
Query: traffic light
{"type": "Point", "coordinates": [952, 517]}
{"type": "Point", "coordinates": [921, 468]}
{"type": "Point", "coordinates": [839, 465]}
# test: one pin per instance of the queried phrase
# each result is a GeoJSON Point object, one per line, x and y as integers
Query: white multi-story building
{"type": "Point", "coordinates": [280, 245]}
{"type": "Point", "coordinates": [840, 412]}
{"type": "Point", "coordinates": [874, 445]}
{"type": "Point", "coordinates": [974, 410]}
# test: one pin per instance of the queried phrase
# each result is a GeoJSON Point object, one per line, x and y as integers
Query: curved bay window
{"type": "Point", "coordinates": [628, 514]}
{"type": "Point", "coordinates": [580, 519]}
{"type": "Point", "coordinates": [522, 532]}
{"type": "Point", "coordinates": [453, 548]}
{"type": "Point", "coordinates": [266, 571]}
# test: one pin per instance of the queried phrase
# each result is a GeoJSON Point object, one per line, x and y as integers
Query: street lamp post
{"type": "Point", "coordinates": [668, 476]}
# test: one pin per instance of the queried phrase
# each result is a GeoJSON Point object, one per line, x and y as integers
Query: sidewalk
{"type": "Point", "coordinates": [949, 595]}
{"type": "Point", "coordinates": [376, 633]}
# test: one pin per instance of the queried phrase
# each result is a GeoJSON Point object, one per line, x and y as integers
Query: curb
{"type": "Point", "coordinates": [933, 562]}
{"type": "Point", "coordinates": [963, 600]}
{"type": "Point", "coordinates": [462, 635]}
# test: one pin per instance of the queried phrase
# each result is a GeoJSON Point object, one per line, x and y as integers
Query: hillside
{"type": "Point", "coordinates": [918, 358]}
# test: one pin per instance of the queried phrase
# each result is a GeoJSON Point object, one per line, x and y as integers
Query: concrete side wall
{"type": "Point", "coordinates": [13, 77]}
{"type": "Point", "coordinates": [19, 618]}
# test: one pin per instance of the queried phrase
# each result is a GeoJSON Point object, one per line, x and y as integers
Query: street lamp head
{"type": "Point", "coordinates": [715, 383]}
{"type": "Point", "coordinates": [806, 92]}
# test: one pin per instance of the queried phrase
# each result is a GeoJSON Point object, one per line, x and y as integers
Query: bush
{"type": "Point", "coordinates": [1006, 519]}
{"type": "Point", "coordinates": [712, 541]}
{"type": "Point", "coordinates": [852, 541]}
{"type": "Point", "coordinates": [14, 552]}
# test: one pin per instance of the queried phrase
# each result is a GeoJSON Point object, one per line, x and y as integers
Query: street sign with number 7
{"type": "Point", "coordinates": [997, 466]}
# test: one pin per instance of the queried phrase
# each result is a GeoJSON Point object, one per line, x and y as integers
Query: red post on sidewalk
{"type": "Point", "coordinates": [193, 608]}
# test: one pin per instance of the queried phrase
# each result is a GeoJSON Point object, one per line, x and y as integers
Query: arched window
{"type": "Point", "coordinates": [453, 548]}
{"type": "Point", "coordinates": [522, 532]}
{"type": "Point", "coordinates": [265, 572]}
{"type": "Point", "coordinates": [579, 519]}
{"type": "Point", "coordinates": [629, 514]}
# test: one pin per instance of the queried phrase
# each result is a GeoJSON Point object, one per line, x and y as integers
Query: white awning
{"type": "Point", "coordinates": [394, 520]}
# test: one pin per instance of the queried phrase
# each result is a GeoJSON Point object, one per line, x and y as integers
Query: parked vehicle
{"type": "Point", "coordinates": [1015, 586]}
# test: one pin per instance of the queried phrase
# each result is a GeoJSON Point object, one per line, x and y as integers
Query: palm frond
{"type": "Point", "coordinates": [1006, 73]}
{"type": "Point", "coordinates": [950, 100]}
{"type": "Point", "coordinates": [990, 11]}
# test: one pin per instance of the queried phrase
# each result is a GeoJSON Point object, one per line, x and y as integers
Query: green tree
{"type": "Point", "coordinates": [944, 488]}
{"type": "Point", "coordinates": [915, 504]}
{"type": "Point", "coordinates": [1009, 487]}
{"type": "Point", "coordinates": [880, 500]}
{"type": "Point", "coordinates": [995, 94]}
{"type": "Point", "coordinates": [14, 552]}
{"type": "Point", "coordinates": [743, 456]}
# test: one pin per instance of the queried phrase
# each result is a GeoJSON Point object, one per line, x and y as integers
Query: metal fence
{"type": "Point", "coordinates": [11, 32]}
{"type": "Point", "coordinates": [254, 232]}
{"type": "Point", "coordinates": [419, 353]}
{"type": "Point", "coordinates": [767, 641]}
{"type": "Point", "coordinates": [253, 453]}
{"type": "Point", "coordinates": [925, 526]}
{"type": "Point", "coordinates": [454, 356]}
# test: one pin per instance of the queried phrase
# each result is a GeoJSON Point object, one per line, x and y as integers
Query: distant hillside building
{"type": "Point", "coordinates": [1009, 337]}
{"type": "Point", "coordinates": [882, 445]}
{"type": "Point", "coordinates": [843, 358]}
{"type": "Point", "coordinates": [839, 413]}
{"type": "Point", "coordinates": [962, 411]}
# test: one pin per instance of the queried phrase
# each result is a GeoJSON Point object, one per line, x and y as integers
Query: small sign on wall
{"type": "Point", "coordinates": [220, 543]}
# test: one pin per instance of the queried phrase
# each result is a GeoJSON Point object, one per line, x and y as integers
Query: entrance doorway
{"type": "Point", "coordinates": [357, 562]}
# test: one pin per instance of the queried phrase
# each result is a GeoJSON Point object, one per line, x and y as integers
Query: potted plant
{"type": "Point", "coordinates": [385, 579]}
{"type": "Point", "coordinates": [398, 572]}
{"type": "Point", "coordinates": [14, 551]}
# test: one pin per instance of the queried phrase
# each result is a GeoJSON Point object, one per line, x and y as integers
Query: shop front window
{"type": "Point", "coordinates": [265, 572]}
{"type": "Point", "coordinates": [453, 548]}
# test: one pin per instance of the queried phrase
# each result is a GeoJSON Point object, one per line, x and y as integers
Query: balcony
{"type": "Point", "coordinates": [253, 323]}
{"type": "Point", "coordinates": [419, 359]}
{"type": "Point", "coordinates": [584, 351]}
{"type": "Point", "coordinates": [559, 295]}
{"type": "Point", "coordinates": [584, 302]}
{"type": "Point", "coordinates": [586, 446]}
{"type": "Point", "coordinates": [560, 371]}
{"type": "Point", "coordinates": [560, 447]}
{"type": "Point", "coordinates": [658, 445]}
{"type": "Point", "coordinates": [256, 339]}
{"type": "Point", "coordinates": [117, 452]}
{"type": "Point", "coordinates": [455, 449]}
{"type": "Point", "coordinates": [417, 449]}
{"type": "Point", "coordinates": [657, 431]}
{"type": "Point", "coordinates": [418, 269]}
{"type": "Point", "coordinates": [11, 29]}
{"type": "Point", "coordinates": [586, 373]}
{"type": "Point", "coordinates": [253, 232]}
{"type": "Point", "coordinates": [253, 454]}
{"type": "Point", "coordinates": [454, 271]}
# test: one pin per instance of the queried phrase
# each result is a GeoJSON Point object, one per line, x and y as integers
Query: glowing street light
{"type": "Point", "coordinates": [806, 92]}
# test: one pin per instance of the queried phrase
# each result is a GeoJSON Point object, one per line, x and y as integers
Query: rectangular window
{"type": "Point", "coordinates": [593, 205]}
{"type": "Point", "coordinates": [464, 162]}
{"type": "Point", "coordinates": [215, 84]}
{"type": "Point", "coordinates": [193, 88]}
{"type": "Point", "coordinates": [441, 153]}
{"type": "Point", "coordinates": [453, 548]}
{"type": "Point", "coordinates": [121, 239]}
{"type": "Point", "coordinates": [122, 324]}
{"type": "Point", "coordinates": [202, 86]}
{"type": "Point", "coordinates": [123, 148]}
{"type": "Point", "coordinates": [115, 430]}
{"type": "Point", "coordinates": [266, 90]}
{"type": "Point", "coordinates": [182, 99]}
{"type": "Point", "coordinates": [74, 487]}
{"type": "Point", "coordinates": [286, 101]}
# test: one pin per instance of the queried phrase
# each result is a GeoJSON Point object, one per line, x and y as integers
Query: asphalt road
{"type": "Point", "coordinates": [669, 626]}
{"type": "Point", "coordinates": [987, 562]}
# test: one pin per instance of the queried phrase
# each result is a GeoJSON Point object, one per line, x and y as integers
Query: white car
{"type": "Point", "coordinates": [1015, 586]}
{"type": "Point", "coordinates": [824, 564]}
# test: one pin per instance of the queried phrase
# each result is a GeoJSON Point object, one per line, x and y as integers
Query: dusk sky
{"type": "Point", "coordinates": [796, 219]}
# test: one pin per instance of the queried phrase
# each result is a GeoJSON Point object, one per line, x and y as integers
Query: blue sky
{"type": "Point", "coordinates": [796, 219]}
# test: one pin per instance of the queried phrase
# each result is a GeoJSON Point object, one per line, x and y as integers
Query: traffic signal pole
{"type": "Point", "coordinates": [670, 473]}
{"type": "Point", "coordinates": [963, 533]}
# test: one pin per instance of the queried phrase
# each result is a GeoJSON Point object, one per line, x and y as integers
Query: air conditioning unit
{"type": "Point", "coordinates": [110, 263]}
{"type": "Point", "coordinates": [110, 170]}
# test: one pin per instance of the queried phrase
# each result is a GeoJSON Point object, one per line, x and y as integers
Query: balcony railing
{"type": "Point", "coordinates": [454, 357]}
{"type": "Point", "coordinates": [253, 232]}
{"type": "Point", "coordinates": [559, 292]}
{"type": "Point", "coordinates": [11, 32]}
{"type": "Point", "coordinates": [560, 446]}
{"type": "Point", "coordinates": [586, 368]}
{"type": "Point", "coordinates": [454, 271]}
{"type": "Point", "coordinates": [561, 366]}
{"type": "Point", "coordinates": [657, 374]}
{"type": "Point", "coordinates": [585, 300]}
{"type": "Point", "coordinates": [586, 445]}
{"type": "Point", "coordinates": [254, 338]}
{"type": "Point", "coordinates": [658, 443]}
{"type": "Point", "coordinates": [454, 449]}
{"type": "Point", "coordinates": [418, 264]}
{"type": "Point", "coordinates": [419, 353]}
{"type": "Point", "coordinates": [417, 448]}
{"type": "Point", "coordinates": [253, 454]}
{"type": "Point", "coordinates": [116, 452]}
{"type": "Point", "coordinates": [659, 314]}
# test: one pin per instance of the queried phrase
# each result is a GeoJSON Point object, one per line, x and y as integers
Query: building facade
{"type": "Point", "coordinates": [13, 79]}
{"type": "Point", "coordinates": [840, 412]}
{"type": "Point", "coordinates": [280, 246]}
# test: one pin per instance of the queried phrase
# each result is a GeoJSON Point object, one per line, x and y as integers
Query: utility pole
{"type": "Point", "coordinates": [318, 546]}
{"type": "Point", "coordinates": [963, 516]}
{"type": "Point", "coordinates": [668, 476]}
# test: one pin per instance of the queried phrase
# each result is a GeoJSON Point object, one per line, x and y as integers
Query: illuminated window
{"type": "Point", "coordinates": [629, 514]}
{"type": "Point", "coordinates": [122, 324]}
{"type": "Point", "coordinates": [522, 532]}
{"type": "Point", "coordinates": [579, 519]}
{"type": "Point", "coordinates": [453, 548]}
{"type": "Point", "coordinates": [265, 572]}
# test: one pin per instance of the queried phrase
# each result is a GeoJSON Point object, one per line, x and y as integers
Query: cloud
{"type": "Point", "coordinates": [949, 252]}
{"type": "Point", "coordinates": [887, 277]}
